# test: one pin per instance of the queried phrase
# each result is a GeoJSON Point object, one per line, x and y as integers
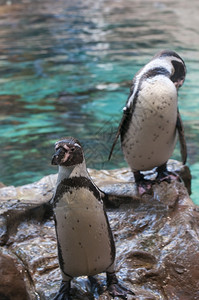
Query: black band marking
{"type": "Point", "coordinates": [154, 72]}
{"type": "Point", "coordinates": [68, 184]}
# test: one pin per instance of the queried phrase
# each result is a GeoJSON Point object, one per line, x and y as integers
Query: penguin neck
{"type": "Point", "coordinates": [79, 170]}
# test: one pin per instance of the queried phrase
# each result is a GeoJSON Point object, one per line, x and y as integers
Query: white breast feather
{"type": "Point", "coordinates": [152, 133]}
{"type": "Point", "coordinates": [83, 233]}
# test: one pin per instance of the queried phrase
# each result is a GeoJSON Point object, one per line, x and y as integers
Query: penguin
{"type": "Point", "coordinates": [151, 119]}
{"type": "Point", "coordinates": [84, 237]}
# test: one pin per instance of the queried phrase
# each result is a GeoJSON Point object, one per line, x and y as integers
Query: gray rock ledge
{"type": "Point", "coordinates": [157, 240]}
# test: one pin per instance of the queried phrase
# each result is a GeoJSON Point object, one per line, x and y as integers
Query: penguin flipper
{"type": "Point", "coordinates": [116, 138]}
{"type": "Point", "coordinates": [183, 146]}
{"type": "Point", "coordinates": [125, 118]}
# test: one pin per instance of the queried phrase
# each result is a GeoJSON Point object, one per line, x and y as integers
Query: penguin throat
{"type": "Point", "coordinates": [72, 171]}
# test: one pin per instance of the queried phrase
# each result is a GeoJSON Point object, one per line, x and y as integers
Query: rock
{"type": "Point", "coordinates": [12, 285]}
{"type": "Point", "coordinates": [157, 240]}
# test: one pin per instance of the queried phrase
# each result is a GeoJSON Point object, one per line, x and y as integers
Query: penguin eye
{"type": "Point", "coordinates": [72, 149]}
{"type": "Point", "coordinates": [62, 149]}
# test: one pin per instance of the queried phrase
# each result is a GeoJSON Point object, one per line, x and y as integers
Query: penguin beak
{"type": "Point", "coordinates": [54, 160]}
{"type": "Point", "coordinates": [57, 157]}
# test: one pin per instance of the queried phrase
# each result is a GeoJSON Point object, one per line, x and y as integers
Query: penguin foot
{"type": "Point", "coordinates": [165, 175]}
{"type": "Point", "coordinates": [143, 185]}
{"type": "Point", "coordinates": [168, 177]}
{"type": "Point", "coordinates": [64, 291]}
{"type": "Point", "coordinates": [115, 289]}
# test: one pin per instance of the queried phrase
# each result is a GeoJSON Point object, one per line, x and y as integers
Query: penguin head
{"type": "Point", "coordinates": [68, 152]}
{"type": "Point", "coordinates": [178, 68]}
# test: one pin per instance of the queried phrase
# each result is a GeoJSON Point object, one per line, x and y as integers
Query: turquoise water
{"type": "Point", "coordinates": [66, 68]}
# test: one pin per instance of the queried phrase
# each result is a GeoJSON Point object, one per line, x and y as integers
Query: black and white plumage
{"type": "Point", "coordinates": [151, 119]}
{"type": "Point", "coordinates": [84, 238]}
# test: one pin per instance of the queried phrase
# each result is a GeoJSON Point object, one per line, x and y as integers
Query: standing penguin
{"type": "Point", "coordinates": [84, 238]}
{"type": "Point", "coordinates": [151, 118]}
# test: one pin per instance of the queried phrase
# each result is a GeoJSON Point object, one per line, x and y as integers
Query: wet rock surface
{"type": "Point", "coordinates": [157, 241]}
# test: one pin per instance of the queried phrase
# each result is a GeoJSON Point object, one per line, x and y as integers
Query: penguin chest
{"type": "Point", "coordinates": [83, 234]}
{"type": "Point", "coordinates": [151, 136]}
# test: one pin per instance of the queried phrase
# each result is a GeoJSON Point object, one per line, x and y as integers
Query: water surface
{"type": "Point", "coordinates": [66, 68]}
